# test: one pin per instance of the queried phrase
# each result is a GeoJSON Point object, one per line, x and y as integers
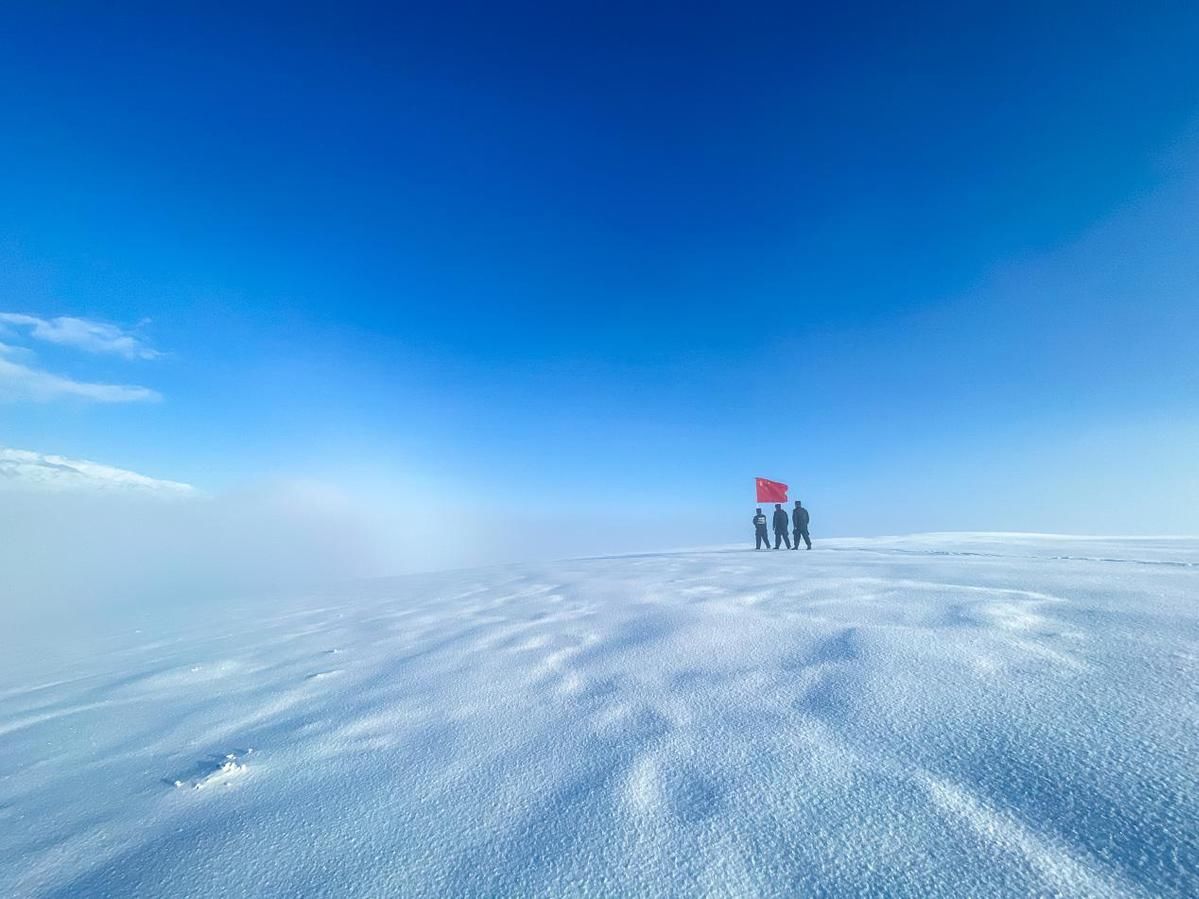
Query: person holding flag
{"type": "Point", "coordinates": [772, 492]}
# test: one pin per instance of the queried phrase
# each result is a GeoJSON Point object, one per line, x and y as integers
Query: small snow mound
{"type": "Point", "coordinates": [217, 772]}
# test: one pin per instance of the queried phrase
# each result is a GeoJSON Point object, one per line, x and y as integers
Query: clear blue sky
{"type": "Point", "coordinates": [936, 265]}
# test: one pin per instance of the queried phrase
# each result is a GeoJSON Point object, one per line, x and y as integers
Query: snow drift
{"type": "Point", "coordinates": [936, 716]}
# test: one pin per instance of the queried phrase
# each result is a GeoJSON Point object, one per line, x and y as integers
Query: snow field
{"type": "Point", "coordinates": [942, 715]}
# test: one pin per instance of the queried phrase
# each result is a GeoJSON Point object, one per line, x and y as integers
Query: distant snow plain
{"type": "Point", "coordinates": [941, 715]}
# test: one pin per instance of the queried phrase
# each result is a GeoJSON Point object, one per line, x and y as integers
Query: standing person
{"type": "Point", "coordinates": [800, 518]}
{"type": "Point", "coordinates": [760, 535]}
{"type": "Point", "coordinates": [780, 526]}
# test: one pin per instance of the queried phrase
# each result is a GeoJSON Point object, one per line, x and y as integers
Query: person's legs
{"type": "Point", "coordinates": [795, 539]}
{"type": "Point", "coordinates": [806, 539]}
{"type": "Point", "coordinates": [786, 539]}
{"type": "Point", "coordinates": [759, 539]}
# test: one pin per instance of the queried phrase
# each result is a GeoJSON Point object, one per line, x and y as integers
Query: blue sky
{"type": "Point", "coordinates": [937, 267]}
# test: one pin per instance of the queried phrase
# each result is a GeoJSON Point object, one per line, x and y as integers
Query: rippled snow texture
{"type": "Point", "coordinates": [960, 715]}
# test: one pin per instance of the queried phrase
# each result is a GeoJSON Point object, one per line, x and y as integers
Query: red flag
{"type": "Point", "coordinates": [771, 491]}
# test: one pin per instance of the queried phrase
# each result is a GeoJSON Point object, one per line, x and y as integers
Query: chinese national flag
{"type": "Point", "coordinates": [771, 491]}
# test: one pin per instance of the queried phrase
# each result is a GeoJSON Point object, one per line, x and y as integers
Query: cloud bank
{"type": "Point", "coordinates": [78, 538]}
{"type": "Point", "coordinates": [88, 543]}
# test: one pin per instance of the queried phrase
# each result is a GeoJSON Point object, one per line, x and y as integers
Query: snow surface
{"type": "Point", "coordinates": [947, 715]}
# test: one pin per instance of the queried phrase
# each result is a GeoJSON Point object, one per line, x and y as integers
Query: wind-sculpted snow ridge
{"type": "Point", "coordinates": [979, 715]}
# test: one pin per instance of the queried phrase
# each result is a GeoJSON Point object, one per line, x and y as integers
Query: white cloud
{"type": "Point", "coordinates": [22, 382]}
{"type": "Point", "coordinates": [81, 333]}
{"type": "Point", "coordinates": [23, 469]}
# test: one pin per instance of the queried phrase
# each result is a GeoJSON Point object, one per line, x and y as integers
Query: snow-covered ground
{"type": "Point", "coordinates": [947, 715]}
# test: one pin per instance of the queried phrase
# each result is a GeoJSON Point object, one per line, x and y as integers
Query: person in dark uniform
{"type": "Point", "coordinates": [780, 526]}
{"type": "Point", "coordinates": [799, 518]}
{"type": "Point", "coordinates": [760, 535]}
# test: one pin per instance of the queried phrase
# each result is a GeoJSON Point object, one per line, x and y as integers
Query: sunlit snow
{"type": "Point", "coordinates": [957, 715]}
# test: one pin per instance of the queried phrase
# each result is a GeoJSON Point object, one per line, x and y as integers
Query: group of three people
{"type": "Point", "coordinates": [799, 522]}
